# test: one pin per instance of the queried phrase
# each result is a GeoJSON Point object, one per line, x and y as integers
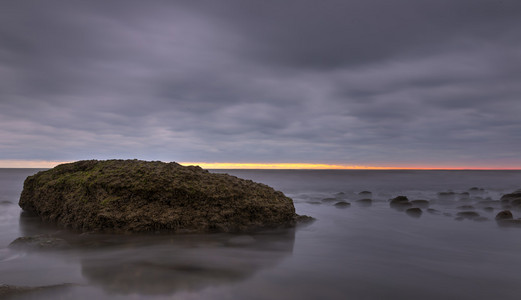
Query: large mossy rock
{"type": "Point", "coordinates": [138, 196]}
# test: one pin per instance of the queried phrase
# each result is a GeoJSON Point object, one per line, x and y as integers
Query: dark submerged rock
{"type": "Point", "coordinates": [399, 200]}
{"type": "Point", "coordinates": [139, 196]}
{"type": "Point", "coordinates": [400, 203]}
{"type": "Point", "coordinates": [342, 204]}
{"type": "Point", "coordinates": [508, 198]}
{"type": "Point", "coordinates": [504, 215]}
{"type": "Point", "coordinates": [39, 242]}
{"type": "Point", "coordinates": [414, 212]}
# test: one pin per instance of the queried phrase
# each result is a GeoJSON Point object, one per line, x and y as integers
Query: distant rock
{"type": "Point", "coordinates": [365, 194]}
{"type": "Point", "coordinates": [342, 204]}
{"type": "Point", "coordinates": [414, 212]}
{"type": "Point", "coordinates": [504, 215]}
{"type": "Point", "coordinates": [400, 203]}
{"type": "Point", "coordinates": [140, 196]}
{"type": "Point", "coordinates": [399, 200]}
{"type": "Point", "coordinates": [508, 198]}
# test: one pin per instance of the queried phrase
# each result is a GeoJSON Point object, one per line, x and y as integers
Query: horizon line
{"type": "Point", "coordinates": [264, 166]}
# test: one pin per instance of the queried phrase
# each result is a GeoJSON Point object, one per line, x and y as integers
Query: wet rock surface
{"type": "Point", "coordinates": [140, 196]}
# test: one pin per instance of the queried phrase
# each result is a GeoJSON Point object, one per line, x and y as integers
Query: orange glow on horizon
{"type": "Point", "coordinates": [36, 164]}
{"type": "Point", "coordinates": [274, 166]}
{"type": "Point", "coordinates": [309, 166]}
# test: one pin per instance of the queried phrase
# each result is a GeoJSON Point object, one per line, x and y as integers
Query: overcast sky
{"type": "Point", "coordinates": [363, 82]}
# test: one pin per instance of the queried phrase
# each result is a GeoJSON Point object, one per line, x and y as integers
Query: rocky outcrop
{"type": "Point", "coordinates": [139, 196]}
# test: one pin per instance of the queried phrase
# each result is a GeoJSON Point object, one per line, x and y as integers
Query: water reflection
{"type": "Point", "coordinates": [164, 264]}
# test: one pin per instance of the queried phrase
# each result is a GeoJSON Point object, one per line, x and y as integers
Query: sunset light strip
{"type": "Point", "coordinates": [273, 166]}
{"type": "Point", "coordinates": [310, 166]}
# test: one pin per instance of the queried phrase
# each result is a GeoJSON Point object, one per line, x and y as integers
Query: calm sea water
{"type": "Point", "coordinates": [365, 251]}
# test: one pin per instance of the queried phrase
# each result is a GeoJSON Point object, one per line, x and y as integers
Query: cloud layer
{"type": "Point", "coordinates": [345, 82]}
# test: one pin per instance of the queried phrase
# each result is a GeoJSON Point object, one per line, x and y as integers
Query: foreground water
{"type": "Point", "coordinates": [364, 251]}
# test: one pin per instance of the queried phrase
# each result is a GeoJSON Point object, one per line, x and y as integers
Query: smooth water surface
{"type": "Point", "coordinates": [368, 250]}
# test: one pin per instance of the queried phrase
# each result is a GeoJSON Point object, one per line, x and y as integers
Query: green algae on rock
{"type": "Point", "coordinates": [140, 196]}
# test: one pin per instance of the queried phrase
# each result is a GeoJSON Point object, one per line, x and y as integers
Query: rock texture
{"type": "Point", "coordinates": [139, 196]}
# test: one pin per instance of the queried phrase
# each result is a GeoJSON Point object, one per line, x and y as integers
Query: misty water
{"type": "Point", "coordinates": [368, 250]}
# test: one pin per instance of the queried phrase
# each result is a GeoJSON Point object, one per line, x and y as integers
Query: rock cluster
{"type": "Point", "coordinates": [140, 196]}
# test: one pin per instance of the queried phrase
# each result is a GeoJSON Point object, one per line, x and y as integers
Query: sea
{"type": "Point", "coordinates": [368, 249]}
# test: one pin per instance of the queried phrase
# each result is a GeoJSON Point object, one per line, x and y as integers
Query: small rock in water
{"type": "Point", "coordinates": [399, 199]}
{"type": "Point", "coordinates": [39, 242]}
{"type": "Point", "coordinates": [504, 215]}
{"type": "Point", "coordinates": [400, 203]}
{"type": "Point", "coordinates": [414, 212]}
{"type": "Point", "coordinates": [342, 204]}
{"type": "Point", "coordinates": [508, 198]}
{"type": "Point", "coordinates": [488, 208]}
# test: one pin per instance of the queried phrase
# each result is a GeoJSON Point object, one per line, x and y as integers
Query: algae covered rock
{"type": "Point", "coordinates": [138, 196]}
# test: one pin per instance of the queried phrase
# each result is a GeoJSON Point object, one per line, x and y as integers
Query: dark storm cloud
{"type": "Point", "coordinates": [354, 82]}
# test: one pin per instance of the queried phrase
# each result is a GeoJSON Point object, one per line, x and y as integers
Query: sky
{"type": "Point", "coordinates": [357, 83]}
